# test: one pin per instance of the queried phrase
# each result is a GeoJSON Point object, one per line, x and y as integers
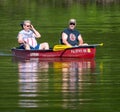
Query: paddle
{"type": "Point", "coordinates": [62, 47]}
{"type": "Point", "coordinates": [101, 44]}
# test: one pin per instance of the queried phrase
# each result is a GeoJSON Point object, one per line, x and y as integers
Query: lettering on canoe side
{"type": "Point", "coordinates": [34, 54]}
{"type": "Point", "coordinates": [81, 51]}
{"type": "Point", "coordinates": [88, 50]}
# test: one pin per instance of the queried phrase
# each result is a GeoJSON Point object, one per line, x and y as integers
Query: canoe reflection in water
{"type": "Point", "coordinates": [75, 74]}
{"type": "Point", "coordinates": [38, 78]}
{"type": "Point", "coordinates": [30, 73]}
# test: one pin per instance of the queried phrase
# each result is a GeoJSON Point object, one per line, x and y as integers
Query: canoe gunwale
{"type": "Point", "coordinates": [51, 49]}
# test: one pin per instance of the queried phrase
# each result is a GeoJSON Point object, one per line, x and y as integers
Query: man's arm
{"type": "Point", "coordinates": [37, 34]}
{"type": "Point", "coordinates": [80, 40]}
{"type": "Point", "coordinates": [64, 39]}
{"type": "Point", "coordinates": [20, 39]}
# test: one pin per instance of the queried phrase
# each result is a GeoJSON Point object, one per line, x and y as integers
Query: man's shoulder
{"type": "Point", "coordinates": [22, 31]}
{"type": "Point", "coordinates": [66, 30]}
{"type": "Point", "coordinates": [76, 31]}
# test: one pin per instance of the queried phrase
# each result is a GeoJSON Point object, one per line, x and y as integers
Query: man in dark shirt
{"type": "Point", "coordinates": [70, 36]}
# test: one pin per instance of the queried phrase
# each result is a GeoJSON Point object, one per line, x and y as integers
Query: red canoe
{"type": "Point", "coordinates": [74, 52]}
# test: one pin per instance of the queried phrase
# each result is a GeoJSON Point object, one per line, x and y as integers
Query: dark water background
{"type": "Point", "coordinates": [61, 84]}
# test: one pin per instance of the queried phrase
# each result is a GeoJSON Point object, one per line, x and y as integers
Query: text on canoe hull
{"type": "Point", "coordinates": [88, 50]}
{"type": "Point", "coordinates": [71, 51]}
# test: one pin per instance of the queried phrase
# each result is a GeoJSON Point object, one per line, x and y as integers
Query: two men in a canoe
{"type": "Point", "coordinates": [27, 36]}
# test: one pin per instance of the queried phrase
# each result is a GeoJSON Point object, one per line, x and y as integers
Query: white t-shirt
{"type": "Point", "coordinates": [29, 37]}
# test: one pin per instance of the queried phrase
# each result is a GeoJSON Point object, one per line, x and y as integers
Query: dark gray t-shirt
{"type": "Point", "coordinates": [72, 36]}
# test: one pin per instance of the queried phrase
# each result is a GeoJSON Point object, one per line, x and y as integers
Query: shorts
{"type": "Point", "coordinates": [36, 47]}
{"type": "Point", "coordinates": [33, 48]}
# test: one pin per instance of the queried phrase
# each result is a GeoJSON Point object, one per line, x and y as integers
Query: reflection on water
{"type": "Point", "coordinates": [74, 75]}
{"type": "Point", "coordinates": [70, 77]}
{"type": "Point", "coordinates": [28, 79]}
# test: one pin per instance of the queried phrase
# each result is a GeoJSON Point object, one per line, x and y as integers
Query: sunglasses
{"type": "Point", "coordinates": [27, 25]}
{"type": "Point", "coordinates": [72, 23]}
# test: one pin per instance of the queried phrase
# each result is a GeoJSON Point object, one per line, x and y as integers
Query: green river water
{"type": "Point", "coordinates": [61, 85]}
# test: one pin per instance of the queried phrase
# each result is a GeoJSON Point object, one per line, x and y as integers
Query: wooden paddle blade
{"type": "Point", "coordinates": [60, 47]}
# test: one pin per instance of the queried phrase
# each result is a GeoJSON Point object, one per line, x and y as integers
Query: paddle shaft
{"type": "Point", "coordinates": [101, 44]}
{"type": "Point", "coordinates": [62, 47]}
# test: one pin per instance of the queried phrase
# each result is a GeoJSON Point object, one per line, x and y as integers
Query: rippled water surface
{"type": "Point", "coordinates": [56, 85]}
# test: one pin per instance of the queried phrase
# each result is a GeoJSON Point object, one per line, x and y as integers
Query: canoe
{"type": "Point", "coordinates": [88, 51]}
{"type": "Point", "coordinates": [74, 52]}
